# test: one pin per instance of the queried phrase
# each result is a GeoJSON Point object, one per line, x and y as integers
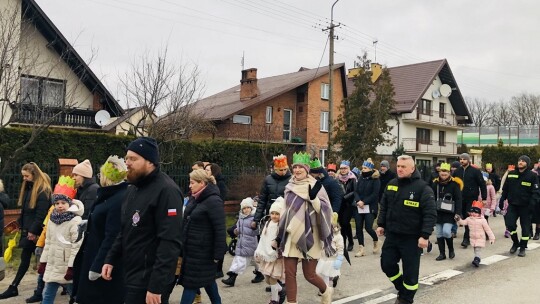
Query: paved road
{"type": "Point", "coordinates": [364, 282]}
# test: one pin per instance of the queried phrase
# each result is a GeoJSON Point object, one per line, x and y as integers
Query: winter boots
{"type": "Point", "coordinates": [35, 298]}
{"type": "Point", "coordinates": [442, 255]}
{"type": "Point", "coordinates": [258, 277]}
{"type": "Point", "coordinates": [476, 262]}
{"type": "Point", "coordinates": [230, 280]}
{"type": "Point", "coordinates": [376, 247]}
{"type": "Point", "coordinates": [326, 297]}
{"type": "Point", "coordinates": [515, 244]}
{"type": "Point", "coordinates": [450, 244]}
{"type": "Point", "coordinates": [537, 234]}
{"type": "Point", "coordinates": [360, 252]}
{"type": "Point", "coordinates": [12, 291]}
{"type": "Point", "coordinates": [522, 247]}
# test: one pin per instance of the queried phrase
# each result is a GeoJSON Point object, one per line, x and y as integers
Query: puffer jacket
{"type": "Point", "coordinates": [521, 188]}
{"type": "Point", "coordinates": [87, 194]}
{"type": "Point", "coordinates": [333, 189]}
{"type": "Point", "coordinates": [367, 190]}
{"type": "Point", "coordinates": [247, 237]}
{"type": "Point", "coordinates": [273, 187]}
{"type": "Point", "coordinates": [452, 187]}
{"type": "Point", "coordinates": [31, 219]}
{"type": "Point", "coordinates": [478, 227]}
{"type": "Point", "coordinates": [60, 246]}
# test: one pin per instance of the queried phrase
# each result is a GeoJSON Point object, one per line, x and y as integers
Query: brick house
{"type": "Point", "coordinates": [291, 108]}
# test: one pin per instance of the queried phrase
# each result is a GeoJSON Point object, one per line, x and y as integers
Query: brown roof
{"type": "Point", "coordinates": [412, 81]}
{"type": "Point", "coordinates": [227, 103]}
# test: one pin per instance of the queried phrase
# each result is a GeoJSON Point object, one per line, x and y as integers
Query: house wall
{"type": "Point", "coordinates": [37, 59]}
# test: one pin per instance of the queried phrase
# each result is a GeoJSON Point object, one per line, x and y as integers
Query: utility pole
{"type": "Point", "coordinates": [331, 78]}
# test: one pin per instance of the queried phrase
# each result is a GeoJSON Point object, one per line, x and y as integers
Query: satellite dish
{"type": "Point", "coordinates": [436, 93]}
{"type": "Point", "coordinates": [445, 90]}
{"type": "Point", "coordinates": [102, 117]}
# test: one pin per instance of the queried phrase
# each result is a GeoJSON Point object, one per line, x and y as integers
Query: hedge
{"type": "Point", "coordinates": [503, 156]}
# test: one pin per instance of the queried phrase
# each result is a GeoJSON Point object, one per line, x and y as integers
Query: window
{"type": "Point", "coordinates": [322, 156]}
{"type": "Point", "coordinates": [42, 91]}
{"type": "Point", "coordinates": [442, 138]}
{"type": "Point", "coordinates": [423, 136]}
{"type": "Point", "coordinates": [324, 121]}
{"type": "Point", "coordinates": [442, 114]}
{"type": "Point", "coordinates": [242, 119]}
{"type": "Point", "coordinates": [424, 107]}
{"type": "Point", "coordinates": [287, 124]}
{"type": "Point", "coordinates": [268, 115]}
{"type": "Point", "coordinates": [325, 91]}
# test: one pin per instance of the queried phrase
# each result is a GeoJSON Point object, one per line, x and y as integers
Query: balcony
{"type": "Point", "coordinates": [261, 133]}
{"type": "Point", "coordinates": [413, 145]}
{"type": "Point", "coordinates": [75, 118]}
{"type": "Point", "coordinates": [432, 118]}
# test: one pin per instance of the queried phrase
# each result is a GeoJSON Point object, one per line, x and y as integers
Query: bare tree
{"type": "Point", "coordinates": [503, 115]}
{"type": "Point", "coordinates": [34, 90]}
{"type": "Point", "coordinates": [481, 111]}
{"type": "Point", "coordinates": [526, 109]}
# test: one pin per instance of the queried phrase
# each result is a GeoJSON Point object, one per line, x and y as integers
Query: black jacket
{"type": "Point", "coordinates": [367, 190]}
{"type": "Point", "coordinates": [495, 180]}
{"type": "Point", "coordinates": [385, 178]}
{"type": "Point", "coordinates": [4, 202]}
{"type": "Point", "coordinates": [102, 230]}
{"type": "Point", "coordinates": [203, 238]}
{"type": "Point", "coordinates": [31, 220]}
{"type": "Point", "coordinates": [440, 190]}
{"type": "Point", "coordinates": [473, 183]}
{"type": "Point", "coordinates": [333, 189]}
{"type": "Point", "coordinates": [521, 188]}
{"type": "Point", "coordinates": [348, 197]}
{"type": "Point", "coordinates": [148, 244]}
{"type": "Point", "coordinates": [408, 207]}
{"type": "Point", "coordinates": [273, 187]}
{"type": "Point", "coordinates": [87, 194]}
{"type": "Point", "coordinates": [223, 190]}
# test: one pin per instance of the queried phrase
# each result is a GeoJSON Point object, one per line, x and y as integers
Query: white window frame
{"type": "Point", "coordinates": [324, 121]}
{"type": "Point", "coordinates": [322, 156]}
{"type": "Point", "coordinates": [42, 91]}
{"type": "Point", "coordinates": [242, 119]}
{"type": "Point", "coordinates": [268, 115]}
{"type": "Point", "coordinates": [325, 91]}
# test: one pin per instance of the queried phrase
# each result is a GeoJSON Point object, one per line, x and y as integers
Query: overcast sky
{"type": "Point", "coordinates": [493, 47]}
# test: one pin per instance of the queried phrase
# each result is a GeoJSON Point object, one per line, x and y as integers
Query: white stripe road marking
{"type": "Point", "coordinates": [358, 296]}
{"type": "Point", "coordinates": [493, 259]}
{"type": "Point", "coordinates": [439, 276]}
{"type": "Point", "coordinates": [531, 246]}
{"type": "Point", "coordinates": [382, 299]}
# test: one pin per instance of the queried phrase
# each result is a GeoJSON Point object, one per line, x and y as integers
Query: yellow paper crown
{"type": "Point", "coordinates": [445, 166]}
{"type": "Point", "coordinates": [280, 161]}
{"type": "Point", "coordinates": [489, 166]}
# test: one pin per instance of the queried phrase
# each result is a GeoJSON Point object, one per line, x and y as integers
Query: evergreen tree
{"type": "Point", "coordinates": [362, 125]}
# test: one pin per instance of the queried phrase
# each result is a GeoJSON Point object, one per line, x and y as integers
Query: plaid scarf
{"type": "Point", "coordinates": [300, 210]}
{"type": "Point", "coordinates": [59, 218]}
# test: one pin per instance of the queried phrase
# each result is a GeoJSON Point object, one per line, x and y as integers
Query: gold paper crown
{"type": "Point", "coordinates": [301, 158]}
{"type": "Point", "coordinates": [280, 161]}
{"type": "Point", "coordinates": [445, 166]}
{"type": "Point", "coordinates": [489, 166]}
{"type": "Point", "coordinates": [65, 186]}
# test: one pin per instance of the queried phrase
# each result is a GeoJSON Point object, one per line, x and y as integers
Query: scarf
{"type": "Point", "coordinates": [345, 178]}
{"type": "Point", "coordinates": [264, 250]}
{"type": "Point", "coordinates": [59, 218]}
{"type": "Point", "coordinates": [301, 214]}
{"type": "Point", "coordinates": [198, 193]}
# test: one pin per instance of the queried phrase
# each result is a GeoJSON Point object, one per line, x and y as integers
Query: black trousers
{"type": "Point", "coordinates": [510, 219]}
{"type": "Point", "coordinates": [344, 219]}
{"type": "Point", "coordinates": [26, 257]}
{"type": "Point", "coordinates": [405, 248]}
{"type": "Point", "coordinates": [138, 296]}
{"type": "Point", "coordinates": [465, 208]}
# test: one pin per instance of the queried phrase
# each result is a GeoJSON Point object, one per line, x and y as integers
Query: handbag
{"type": "Point", "coordinates": [445, 204]}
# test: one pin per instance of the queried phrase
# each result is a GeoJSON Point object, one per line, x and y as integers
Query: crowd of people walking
{"type": "Point", "coordinates": [132, 236]}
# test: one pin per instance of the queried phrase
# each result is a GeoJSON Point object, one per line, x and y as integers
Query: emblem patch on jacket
{"type": "Point", "coordinates": [135, 218]}
{"type": "Point", "coordinates": [171, 212]}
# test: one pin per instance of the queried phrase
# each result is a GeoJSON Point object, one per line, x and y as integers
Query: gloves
{"type": "Point", "coordinates": [92, 276]}
{"type": "Point", "coordinates": [38, 251]}
{"type": "Point", "coordinates": [338, 262]}
{"type": "Point", "coordinates": [69, 274]}
{"type": "Point", "coordinates": [41, 268]}
{"type": "Point", "coordinates": [313, 191]}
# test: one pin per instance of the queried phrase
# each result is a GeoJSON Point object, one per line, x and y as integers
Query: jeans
{"type": "Point", "coordinates": [49, 293]}
{"type": "Point", "coordinates": [443, 230]}
{"type": "Point", "coordinates": [212, 290]}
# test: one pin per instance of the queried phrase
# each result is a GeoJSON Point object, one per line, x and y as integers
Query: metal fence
{"type": "Point", "coordinates": [492, 135]}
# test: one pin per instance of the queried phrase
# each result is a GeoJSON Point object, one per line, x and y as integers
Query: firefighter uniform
{"type": "Point", "coordinates": [407, 213]}
{"type": "Point", "coordinates": [521, 191]}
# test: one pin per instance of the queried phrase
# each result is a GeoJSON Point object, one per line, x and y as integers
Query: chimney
{"type": "Point", "coordinates": [376, 71]}
{"type": "Point", "coordinates": [248, 84]}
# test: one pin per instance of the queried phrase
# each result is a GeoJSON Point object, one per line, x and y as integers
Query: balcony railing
{"type": "Point", "coordinates": [80, 118]}
{"type": "Point", "coordinates": [433, 117]}
{"type": "Point", "coordinates": [431, 146]}
{"type": "Point", "coordinates": [261, 133]}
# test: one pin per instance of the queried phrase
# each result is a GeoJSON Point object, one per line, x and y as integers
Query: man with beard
{"type": "Point", "coordinates": [148, 244]}
{"type": "Point", "coordinates": [521, 190]}
{"type": "Point", "coordinates": [473, 186]}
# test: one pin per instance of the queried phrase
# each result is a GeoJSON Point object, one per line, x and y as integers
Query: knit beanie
{"type": "Point", "coordinates": [83, 169]}
{"type": "Point", "coordinates": [385, 164]}
{"type": "Point", "coordinates": [278, 205]}
{"type": "Point", "coordinates": [465, 156]}
{"type": "Point", "coordinates": [147, 148]}
{"type": "Point", "coordinates": [526, 159]}
{"type": "Point", "coordinates": [247, 202]}
{"type": "Point", "coordinates": [456, 164]}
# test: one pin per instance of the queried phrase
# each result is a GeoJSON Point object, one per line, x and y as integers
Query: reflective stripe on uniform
{"type": "Point", "coordinates": [526, 184]}
{"type": "Point", "coordinates": [392, 279]}
{"type": "Point", "coordinates": [411, 287]}
{"type": "Point", "coordinates": [525, 238]}
{"type": "Point", "coordinates": [392, 188]}
{"type": "Point", "coordinates": [513, 232]}
{"type": "Point", "coordinates": [513, 176]}
{"type": "Point", "coordinates": [411, 203]}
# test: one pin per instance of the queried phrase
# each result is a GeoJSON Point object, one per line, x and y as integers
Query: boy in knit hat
{"type": "Point", "coordinates": [86, 186]}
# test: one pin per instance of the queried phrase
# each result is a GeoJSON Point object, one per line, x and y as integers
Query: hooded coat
{"type": "Point", "coordinates": [273, 187]}
{"type": "Point", "coordinates": [60, 246]}
{"type": "Point", "coordinates": [247, 237]}
{"type": "Point", "coordinates": [87, 194]}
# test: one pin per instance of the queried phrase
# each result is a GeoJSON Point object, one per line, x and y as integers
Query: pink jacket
{"type": "Point", "coordinates": [478, 227]}
{"type": "Point", "coordinates": [491, 201]}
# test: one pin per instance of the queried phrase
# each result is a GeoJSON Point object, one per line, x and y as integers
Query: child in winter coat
{"type": "Point", "coordinates": [56, 263]}
{"type": "Point", "coordinates": [490, 204]}
{"type": "Point", "coordinates": [247, 242]}
{"type": "Point", "coordinates": [267, 257]}
{"type": "Point", "coordinates": [478, 227]}
{"type": "Point", "coordinates": [329, 267]}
